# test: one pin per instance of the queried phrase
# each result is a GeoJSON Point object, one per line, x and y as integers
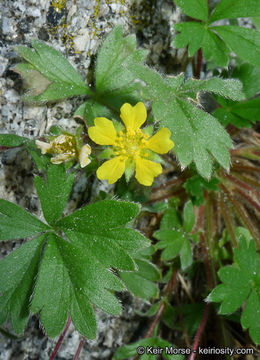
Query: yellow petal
{"type": "Point", "coordinates": [84, 152]}
{"type": "Point", "coordinates": [112, 169]}
{"type": "Point", "coordinates": [160, 142]}
{"type": "Point", "coordinates": [146, 171]}
{"type": "Point", "coordinates": [133, 116]}
{"type": "Point", "coordinates": [103, 133]}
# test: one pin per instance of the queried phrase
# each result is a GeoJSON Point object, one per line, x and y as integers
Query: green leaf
{"type": "Point", "coordinates": [11, 140]}
{"type": "Point", "coordinates": [188, 216]}
{"type": "Point", "coordinates": [113, 79]}
{"type": "Point", "coordinates": [52, 279]}
{"type": "Point", "coordinates": [197, 35]}
{"type": "Point", "coordinates": [171, 241]}
{"type": "Point", "coordinates": [99, 230]}
{"type": "Point", "coordinates": [195, 186]}
{"type": "Point", "coordinates": [77, 278]}
{"type": "Point", "coordinates": [89, 110]}
{"type": "Point", "coordinates": [171, 219]}
{"type": "Point", "coordinates": [249, 75]}
{"type": "Point", "coordinates": [196, 134]}
{"type": "Point", "coordinates": [244, 42]}
{"type": "Point", "coordinates": [240, 282]}
{"type": "Point", "coordinates": [251, 317]}
{"type": "Point", "coordinates": [139, 286]}
{"type": "Point", "coordinates": [56, 78]}
{"type": "Point", "coordinates": [197, 9]}
{"type": "Point", "coordinates": [54, 193]}
{"type": "Point", "coordinates": [186, 254]}
{"type": "Point", "coordinates": [25, 224]}
{"type": "Point", "coordinates": [235, 9]}
{"type": "Point", "coordinates": [227, 88]}
{"type": "Point", "coordinates": [240, 114]}
{"type": "Point", "coordinates": [140, 283]}
{"type": "Point", "coordinates": [19, 269]}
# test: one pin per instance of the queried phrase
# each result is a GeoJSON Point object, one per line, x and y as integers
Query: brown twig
{"type": "Point", "coordinates": [56, 349]}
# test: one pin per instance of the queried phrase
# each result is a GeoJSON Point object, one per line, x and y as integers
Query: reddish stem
{"type": "Point", "coordinates": [239, 168]}
{"type": "Point", "coordinates": [79, 348]}
{"type": "Point", "coordinates": [56, 349]}
{"type": "Point", "coordinates": [249, 199]}
{"type": "Point", "coordinates": [236, 181]}
{"type": "Point", "coordinates": [241, 212]}
{"type": "Point", "coordinates": [199, 332]}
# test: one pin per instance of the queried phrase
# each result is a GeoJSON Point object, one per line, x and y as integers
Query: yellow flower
{"type": "Point", "coordinates": [64, 149]}
{"type": "Point", "coordinates": [131, 147]}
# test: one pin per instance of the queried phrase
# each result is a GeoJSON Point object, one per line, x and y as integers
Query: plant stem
{"type": "Point", "coordinates": [241, 213]}
{"type": "Point", "coordinates": [249, 199]}
{"type": "Point", "coordinates": [56, 349]}
{"type": "Point", "coordinates": [186, 337]}
{"type": "Point", "coordinates": [236, 181]}
{"type": "Point", "coordinates": [161, 308]}
{"type": "Point", "coordinates": [79, 348]}
{"type": "Point", "coordinates": [227, 221]}
{"type": "Point", "coordinates": [199, 333]}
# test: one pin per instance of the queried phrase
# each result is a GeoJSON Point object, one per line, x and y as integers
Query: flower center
{"type": "Point", "coordinates": [64, 144]}
{"type": "Point", "coordinates": [130, 144]}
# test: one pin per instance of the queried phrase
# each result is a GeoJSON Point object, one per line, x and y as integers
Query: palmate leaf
{"type": "Point", "coordinates": [198, 35]}
{"type": "Point", "coordinates": [241, 282]}
{"type": "Point", "coordinates": [48, 75]}
{"type": "Point", "coordinates": [232, 9]}
{"type": "Point", "coordinates": [240, 114]}
{"type": "Point", "coordinates": [244, 42]}
{"type": "Point", "coordinates": [216, 41]}
{"type": "Point", "coordinates": [197, 9]}
{"type": "Point", "coordinates": [197, 135]}
{"type": "Point", "coordinates": [114, 81]}
{"type": "Point", "coordinates": [55, 277]}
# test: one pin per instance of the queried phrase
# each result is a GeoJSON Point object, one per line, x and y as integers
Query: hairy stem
{"type": "Point", "coordinates": [241, 213]}
{"type": "Point", "coordinates": [227, 221]}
